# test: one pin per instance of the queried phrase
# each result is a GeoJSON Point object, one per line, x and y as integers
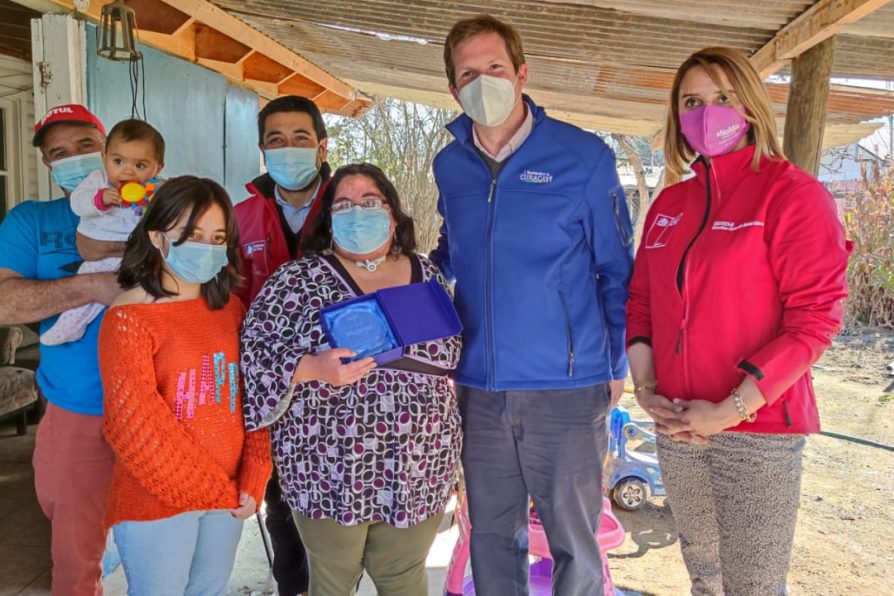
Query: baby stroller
{"type": "Point", "coordinates": [457, 583]}
{"type": "Point", "coordinates": [632, 475]}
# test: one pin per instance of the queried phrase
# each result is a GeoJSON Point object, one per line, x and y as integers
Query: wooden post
{"type": "Point", "coordinates": [808, 98]}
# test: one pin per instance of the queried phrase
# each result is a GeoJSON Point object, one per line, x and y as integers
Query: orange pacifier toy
{"type": "Point", "coordinates": [138, 195]}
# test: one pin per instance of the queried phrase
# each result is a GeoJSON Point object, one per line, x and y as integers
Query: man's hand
{"type": "Point", "coordinates": [617, 390]}
{"type": "Point", "coordinates": [96, 250]}
{"type": "Point", "coordinates": [104, 287]}
{"type": "Point", "coordinates": [111, 197]}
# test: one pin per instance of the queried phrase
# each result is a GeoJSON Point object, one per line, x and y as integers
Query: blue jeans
{"type": "Point", "coordinates": [189, 554]}
{"type": "Point", "coordinates": [549, 445]}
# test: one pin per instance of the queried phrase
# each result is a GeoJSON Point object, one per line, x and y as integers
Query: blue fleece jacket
{"type": "Point", "coordinates": [541, 255]}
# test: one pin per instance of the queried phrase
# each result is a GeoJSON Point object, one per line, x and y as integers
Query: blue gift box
{"type": "Point", "coordinates": [382, 323]}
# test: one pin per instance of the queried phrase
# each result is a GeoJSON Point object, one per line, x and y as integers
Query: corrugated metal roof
{"type": "Point", "coordinates": [603, 65]}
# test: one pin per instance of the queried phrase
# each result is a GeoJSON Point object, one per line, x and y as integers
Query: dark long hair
{"type": "Point", "coordinates": [318, 237]}
{"type": "Point", "coordinates": [143, 264]}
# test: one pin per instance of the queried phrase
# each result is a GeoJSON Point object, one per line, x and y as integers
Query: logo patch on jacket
{"type": "Point", "coordinates": [535, 177]}
{"type": "Point", "coordinates": [661, 229]}
{"type": "Point", "coordinates": [253, 247]}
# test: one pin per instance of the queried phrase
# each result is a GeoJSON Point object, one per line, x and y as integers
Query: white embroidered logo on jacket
{"type": "Point", "coordinates": [729, 226]}
{"type": "Point", "coordinates": [536, 177]}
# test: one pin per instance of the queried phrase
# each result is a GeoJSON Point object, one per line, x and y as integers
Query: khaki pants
{"type": "Point", "coordinates": [394, 558]}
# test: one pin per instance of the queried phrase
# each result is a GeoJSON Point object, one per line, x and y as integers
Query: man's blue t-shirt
{"type": "Point", "coordinates": [37, 241]}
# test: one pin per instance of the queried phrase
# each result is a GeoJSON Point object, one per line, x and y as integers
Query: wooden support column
{"type": "Point", "coordinates": [808, 98]}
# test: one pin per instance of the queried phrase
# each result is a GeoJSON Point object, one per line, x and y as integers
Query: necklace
{"type": "Point", "coordinates": [370, 265]}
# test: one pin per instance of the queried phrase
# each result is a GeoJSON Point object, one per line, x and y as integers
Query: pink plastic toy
{"type": "Point", "coordinates": [610, 536]}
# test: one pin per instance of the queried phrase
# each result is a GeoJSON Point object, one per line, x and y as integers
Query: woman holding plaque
{"type": "Point", "coordinates": [366, 454]}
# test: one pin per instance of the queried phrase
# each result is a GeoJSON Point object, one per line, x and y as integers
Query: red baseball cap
{"type": "Point", "coordinates": [71, 113]}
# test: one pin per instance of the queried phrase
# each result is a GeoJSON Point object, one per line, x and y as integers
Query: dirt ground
{"type": "Point", "coordinates": [844, 542]}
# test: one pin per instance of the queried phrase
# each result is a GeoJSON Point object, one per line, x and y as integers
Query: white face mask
{"type": "Point", "coordinates": [488, 100]}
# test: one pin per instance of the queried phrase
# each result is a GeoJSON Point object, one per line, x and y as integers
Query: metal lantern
{"type": "Point", "coordinates": [116, 33]}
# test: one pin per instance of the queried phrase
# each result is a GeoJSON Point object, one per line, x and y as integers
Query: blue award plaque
{"type": "Point", "coordinates": [362, 327]}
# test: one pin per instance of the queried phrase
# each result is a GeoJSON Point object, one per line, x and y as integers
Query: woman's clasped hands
{"type": "Point", "coordinates": [688, 420]}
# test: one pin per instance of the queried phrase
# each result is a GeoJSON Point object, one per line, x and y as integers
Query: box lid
{"type": "Point", "coordinates": [420, 312]}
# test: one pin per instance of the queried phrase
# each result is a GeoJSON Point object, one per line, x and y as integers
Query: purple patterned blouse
{"type": "Point", "coordinates": [382, 449]}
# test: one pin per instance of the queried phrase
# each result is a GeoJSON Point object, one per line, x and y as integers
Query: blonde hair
{"type": "Point", "coordinates": [747, 91]}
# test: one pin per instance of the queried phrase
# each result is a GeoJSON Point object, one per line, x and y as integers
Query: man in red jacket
{"type": "Point", "coordinates": [292, 137]}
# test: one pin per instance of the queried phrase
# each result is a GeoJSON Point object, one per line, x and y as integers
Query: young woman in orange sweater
{"type": "Point", "coordinates": [186, 472]}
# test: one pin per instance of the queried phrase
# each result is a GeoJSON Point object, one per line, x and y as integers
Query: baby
{"type": "Point", "coordinates": [134, 152]}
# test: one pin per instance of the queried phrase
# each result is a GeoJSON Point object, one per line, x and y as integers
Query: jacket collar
{"type": "Point", "coordinates": [728, 170]}
{"type": "Point", "coordinates": [461, 126]}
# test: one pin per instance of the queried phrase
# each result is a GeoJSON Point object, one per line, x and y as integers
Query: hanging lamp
{"type": "Point", "coordinates": [116, 33]}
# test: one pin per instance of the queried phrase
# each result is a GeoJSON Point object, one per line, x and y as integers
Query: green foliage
{"type": "Point", "coordinates": [869, 221]}
{"type": "Point", "coordinates": [402, 139]}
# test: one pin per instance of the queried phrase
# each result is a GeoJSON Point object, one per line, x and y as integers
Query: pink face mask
{"type": "Point", "coordinates": [713, 130]}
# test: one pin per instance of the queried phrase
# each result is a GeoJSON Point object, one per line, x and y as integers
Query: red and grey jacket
{"type": "Point", "coordinates": [265, 239]}
{"type": "Point", "coordinates": [741, 273]}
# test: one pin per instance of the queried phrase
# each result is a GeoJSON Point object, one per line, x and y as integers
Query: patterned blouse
{"type": "Point", "coordinates": [382, 449]}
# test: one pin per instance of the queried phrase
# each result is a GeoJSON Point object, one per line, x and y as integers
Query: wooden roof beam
{"type": "Point", "coordinates": [199, 31]}
{"type": "Point", "coordinates": [181, 44]}
{"type": "Point", "coordinates": [300, 85]}
{"type": "Point", "coordinates": [153, 15]}
{"type": "Point", "coordinates": [819, 22]}
{"type": "Point", "coordinates": [219, 19]}
{"type": "Point", "coordinates": [211, 44]}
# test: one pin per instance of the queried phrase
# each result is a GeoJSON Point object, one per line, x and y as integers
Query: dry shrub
{"type": "Point", "coordinates": [869, 221]}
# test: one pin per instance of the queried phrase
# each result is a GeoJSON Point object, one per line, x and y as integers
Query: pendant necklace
{"type": "Point", "coordinates": [370, 264]}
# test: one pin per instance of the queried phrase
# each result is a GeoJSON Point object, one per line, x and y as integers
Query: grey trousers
{"type": "Point", "coordinates": [735, 504]}
{"type": "Point", "coordinates": [546, 444]}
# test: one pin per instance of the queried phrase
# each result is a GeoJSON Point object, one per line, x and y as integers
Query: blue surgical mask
{"type": "Point", "coordinates": [293, 168]}
{"type": "Point", "coordinates": [196, 262]}
{"type": "Point", "coordinates": [71, 171]}
{"type": "Point", "coordinates": [361, 231]}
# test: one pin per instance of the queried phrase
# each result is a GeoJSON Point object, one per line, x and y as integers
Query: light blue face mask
{"type": "Point", "coordinates": [293, 168]}
{"type": "Point", "coordinates": [71, 171]}
{"type": "Point", "coordinates": [196, 262]}
{"type": "Point", "coordinates": [361, 231]}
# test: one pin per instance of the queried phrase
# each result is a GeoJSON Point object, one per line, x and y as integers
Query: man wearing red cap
{"type": "Point", "coordinates": [38, 259]}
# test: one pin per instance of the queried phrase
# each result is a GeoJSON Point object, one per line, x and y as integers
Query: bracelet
{"type": "Point", "coordinates": [650, 384]}
{"type": "Point", "coordinates": [740, 407]}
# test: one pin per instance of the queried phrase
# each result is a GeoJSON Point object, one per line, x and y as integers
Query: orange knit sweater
{"type": "Point", "coordinates": [173, 411]}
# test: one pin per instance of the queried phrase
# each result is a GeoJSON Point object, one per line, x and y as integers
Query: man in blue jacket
{"type": "Point", "coordinates": [538, 238]}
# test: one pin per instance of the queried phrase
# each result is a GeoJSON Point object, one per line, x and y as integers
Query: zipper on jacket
{"type": "Point", "coordinates": [488, 281]}
{"type": "Point", "coordinates": [569, 334]}
{"type": "Point", "coordinates": [490, 193]}
{"type": "Point", "coordinates": [788, 418]}
{"type": "Point", "coordinates": [701, 227]}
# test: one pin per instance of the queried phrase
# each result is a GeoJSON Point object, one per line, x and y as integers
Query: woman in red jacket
{"type": "Point", "coordinates": [737, 289]}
